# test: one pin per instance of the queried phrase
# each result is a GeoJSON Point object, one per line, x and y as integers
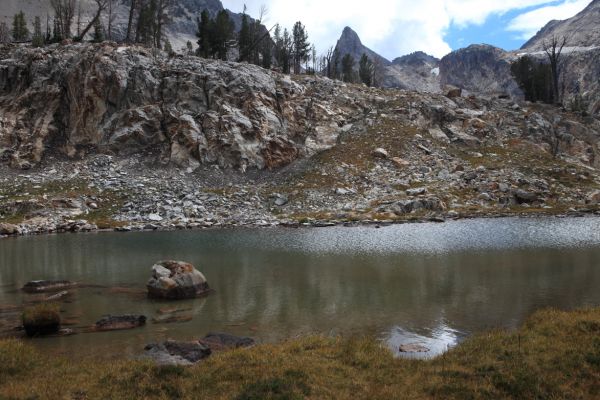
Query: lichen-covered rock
{"type": "Point", "coordinates": [176, 280]}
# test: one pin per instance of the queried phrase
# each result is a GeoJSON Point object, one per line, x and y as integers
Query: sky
{"type": "Point", "coordinates": [394, 28]}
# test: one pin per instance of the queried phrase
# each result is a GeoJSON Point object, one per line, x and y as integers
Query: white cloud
{"type": "Point", "coordinates": [528, 24]}
{"type": "Point", "coordinates": [390, 27]}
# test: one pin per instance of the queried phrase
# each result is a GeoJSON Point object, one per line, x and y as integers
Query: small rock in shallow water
{"type": "Point", "coordinates": [120, 322]}
{"type": "Point", "coordinates": [47, 286]}
{"type": "Point", "coordinates": [412, 348]}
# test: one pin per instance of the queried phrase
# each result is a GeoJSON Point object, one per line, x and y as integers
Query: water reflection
{"type": "Point", "coordinates": [434, 281]}
{"type": "Point", "coordinates": [431, 343]}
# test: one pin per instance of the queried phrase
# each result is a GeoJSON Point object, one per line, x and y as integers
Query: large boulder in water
{"type": "Point", "coordinates": [176, 280]}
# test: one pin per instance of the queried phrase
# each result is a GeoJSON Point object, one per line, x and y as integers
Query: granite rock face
{"type": "Point", "coordinates": [480, 69]}
{"type": "Point", "coordinates": [81, 99]}
{"type": "Point", "coordinates": [417, 71]}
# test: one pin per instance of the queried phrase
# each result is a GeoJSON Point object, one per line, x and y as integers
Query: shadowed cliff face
{"type": "Point", "coordinates": [81, 98]}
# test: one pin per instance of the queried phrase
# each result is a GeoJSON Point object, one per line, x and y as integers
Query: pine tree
{"type": "Point", "coordinates": [56, 32]}
{"type": "Point", "coordinates": [266, 52]}
{"type": "Point", "coordinates": [301, 46]}
{"type": "Point", "coordinates": [4, 33]}
{"type": "Point", "coordinates": [37, 40]}
{"type": "Point", "coordinates": [147, 24]}
{"type": "Point", "coordinates": [190, 48]}
{"type": "Point", "coordinates": [286, 52]}
{"type": "Point", "coordinates": [348, 68]}
{"type": "Point", "coordinates": [168, 48]}
{"type": "Point", "coordinates": [365, 70]}
{"type": "Point", "coordinates": [98, 31]}
{"type": "Point", "coordinates": [221, 35]}
{"type": "Point", "coordinates": [48, 36]}
{"type": "Point", "coordinates": [244, 39]}
{"type": "Point", "coordinates": [335, 64]}
{"type": "Point", "coordinates": [20, 32]}
{"type": "Point", "coordinates": [205, 27]}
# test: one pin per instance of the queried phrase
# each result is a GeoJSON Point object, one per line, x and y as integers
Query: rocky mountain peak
{"type": "Point", "coordinates": [350, 43]}
{"type": "Point", "coordinates": [416, 58]}
{"type": "Point", "coordinates": [582, 30]}
{"type": "Point", "coordinates": [349, 35]}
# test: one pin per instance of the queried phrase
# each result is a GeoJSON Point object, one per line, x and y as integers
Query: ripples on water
{"type": "Point", "coordinates": [430, 284]}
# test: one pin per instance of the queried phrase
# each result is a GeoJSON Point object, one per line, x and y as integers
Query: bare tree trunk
{"type": "Point", "coordinates": [79, 21]}
{"type": "Point", "coordinates": [130, 21]}
{"type": "Point", "coordinates": [162, 19]}
{"type": "Point", "coordinates": [64, 10]}
{"type": "Point", "coordinates": [110, 18]}
{"type": "Point", "coordinates": [101, 7]}
{"type": "Point", "coordinates": [553, 49]}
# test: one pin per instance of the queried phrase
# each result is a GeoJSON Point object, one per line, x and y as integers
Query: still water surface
{"type": "Point", "coordinates": [432, 284]}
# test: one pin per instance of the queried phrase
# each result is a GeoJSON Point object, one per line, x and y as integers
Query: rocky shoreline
{"type": "Point", "coordinates": [299, 151]}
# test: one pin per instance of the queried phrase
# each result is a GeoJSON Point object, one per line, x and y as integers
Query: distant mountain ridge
{"type": "Point", "coordinates": [582, 30]}
{"type": "Point", "coordinates": [416, 71]}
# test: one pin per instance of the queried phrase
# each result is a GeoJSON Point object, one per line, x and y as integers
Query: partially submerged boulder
{"type": "Point", "coordinates": [41, 319]}
{"type": "Point", "coordinates": [48, 286]}
{"type": "Point", "coordinates": [120, 322]}
{"type": "Point", "coordinates": [176, 280]}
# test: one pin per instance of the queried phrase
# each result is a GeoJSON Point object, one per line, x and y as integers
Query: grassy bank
{"type": "Point", "coordinates": [555, 355]}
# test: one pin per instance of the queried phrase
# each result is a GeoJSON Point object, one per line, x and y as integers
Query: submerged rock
{"type": "Point", "coordinates": [115, 323]}
{"type": "Point", "coordinates": [413, 348]}
{"type": "Point", "coordinates": [48, 286]}
{"type": "Point", "coordinates": [176, 280]}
